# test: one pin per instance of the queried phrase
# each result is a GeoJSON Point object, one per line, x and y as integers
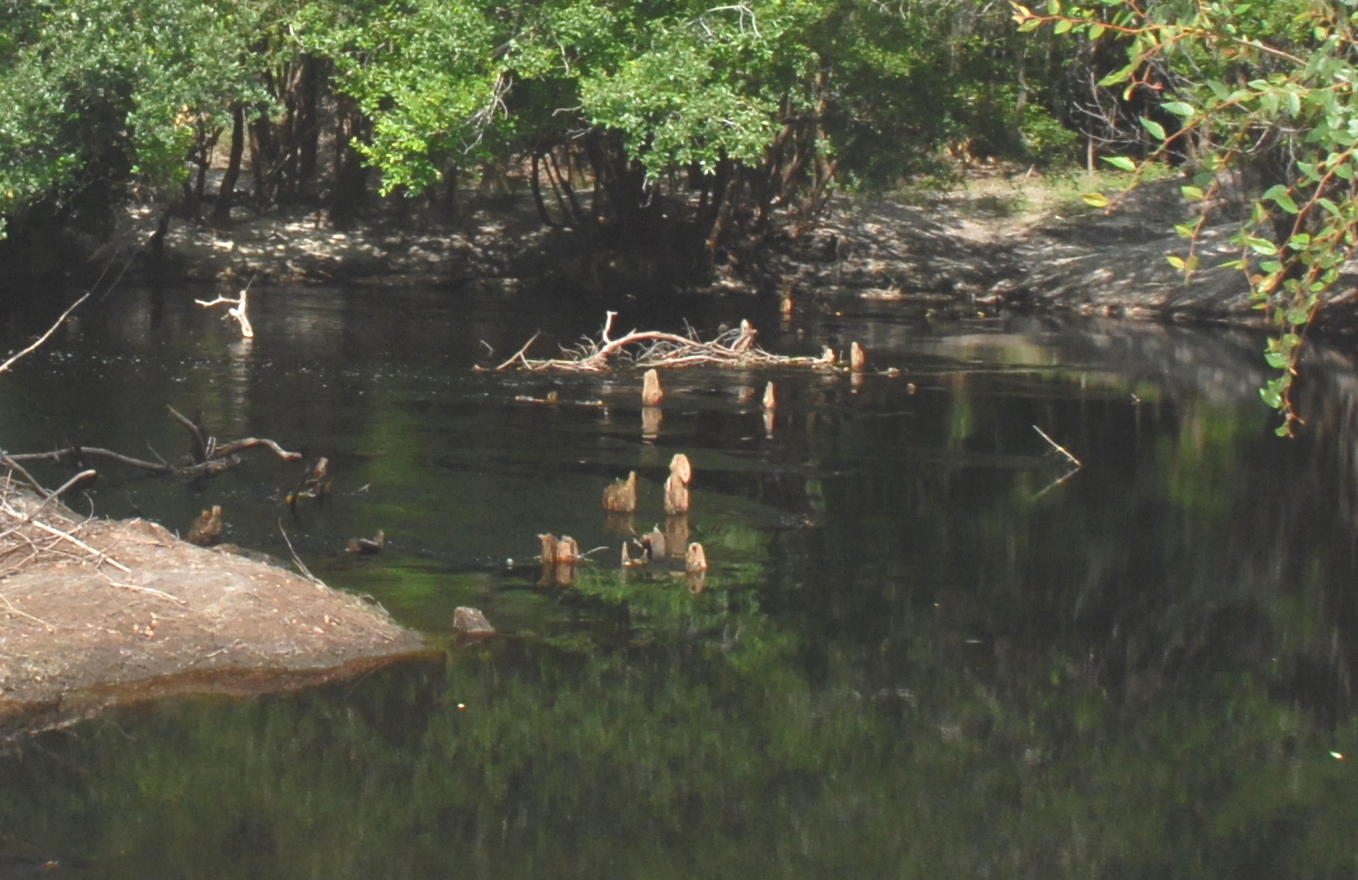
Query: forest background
{"type": "Point", "coordinates": [683, 133]}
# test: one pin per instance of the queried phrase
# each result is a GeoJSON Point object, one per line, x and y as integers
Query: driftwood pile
{"type": "Point", "coordinates": [36, 530]}
{"type": "Point", "coordinates": [653, 348]}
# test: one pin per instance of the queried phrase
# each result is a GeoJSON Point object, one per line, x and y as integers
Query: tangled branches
{"type": "Point", "coordinates": [654, 348]}
{"type": "Point", "coordinates": [24, 539]}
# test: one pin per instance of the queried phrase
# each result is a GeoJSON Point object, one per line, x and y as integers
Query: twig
{"type": "Point", "coordinates": [12, 610]}
{"type": "Point", "coordinates": [43, 338]}
{"type": "Point", "coordinates": [151, 590]}
{"type": "Point", "coordinates": [56, 493]}
{"type": "Point", "coordinates": [81, 451]}
{"type": "Point", "coordinates": [1059, 448]}
{"type": "Point", "coordinates": [14, 465]}
{"type": "Point", "coordinates": [518, 355]}
{"type": "Point", "coordinates": [65, 536]}
{"type": "Point", "coordinates": [297, 560]}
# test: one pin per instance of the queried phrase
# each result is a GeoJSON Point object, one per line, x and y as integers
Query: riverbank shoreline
{"type": "Point", "coordinates": [991, 243]}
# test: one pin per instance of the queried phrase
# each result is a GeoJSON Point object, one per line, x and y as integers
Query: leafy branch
{"type": "Point", "coordinates": [1283, 103]}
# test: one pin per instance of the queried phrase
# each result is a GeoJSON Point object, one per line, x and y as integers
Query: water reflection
{"type": "Point", "coordinates": [922, 648]}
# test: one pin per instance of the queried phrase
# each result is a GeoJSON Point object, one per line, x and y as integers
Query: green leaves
{"type": "Point", "coordinates": [1264, 89]}
{"type": "Point", "coordinates": [1156, 130]}
{"type": "Point", "coordinates": [1282, 197]}
{"type": "Point", "coordinates": [94, 92]}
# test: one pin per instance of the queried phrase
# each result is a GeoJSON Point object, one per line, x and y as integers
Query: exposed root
{"type": "Point", "coordinates": [655, 348]}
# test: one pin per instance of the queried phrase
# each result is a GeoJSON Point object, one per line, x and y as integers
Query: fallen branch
{"type": "Point", "coordinates": [78, 452]}
{"type": "Point", "coordinates": [9, 462]}
{"type": "Point", "coordinates": [655, 348]}
{"type": "Point", "coordinates": [216, 457]}
{"type": "Point", "coordinates": [48, 335]}
{"type": "Point", "coordinates": [519, 355]}
{"type": "Point", "coordinates": [209, 456]}
{"type": "Point", "coordinates": [1058, 447]}
{"type": "Point", "coordinates": [79, 479]}
{"type": "Point", "coordinates": [200, 446]}
{"type": "Point", "coordinates": [250, 442]}
{"type": "Point", "coordinates": [237, 311]}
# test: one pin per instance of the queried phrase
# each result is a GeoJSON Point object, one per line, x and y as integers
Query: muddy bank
{"type": "Point", "coordinates": [98, 612]}
{"type": "Point", "coordinates": [1068, 258]}
{"type": "Point", "coordinates": [949, 252]}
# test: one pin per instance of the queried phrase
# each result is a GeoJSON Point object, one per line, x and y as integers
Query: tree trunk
{"type": "Point", "coordinates": [350, 176]}
{"type": "Point", "coordinates": [226, 196]}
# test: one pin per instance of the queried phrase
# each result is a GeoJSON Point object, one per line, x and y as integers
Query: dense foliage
{"type": "Point", "coordinates": [94, 95]}
{"type": "Point", "coordinates": [667, 121]}
{"type": "Point", "coordinates": [1260, 88]}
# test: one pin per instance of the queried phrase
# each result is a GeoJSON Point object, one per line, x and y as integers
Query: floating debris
{"type": "Point", "coordinates": [857, 359]}
{"type": "Point", "coordinates": [770, 397]}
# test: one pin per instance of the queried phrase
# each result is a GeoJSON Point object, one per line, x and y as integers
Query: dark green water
{"type": "Point", "coordinates": [918, 655]}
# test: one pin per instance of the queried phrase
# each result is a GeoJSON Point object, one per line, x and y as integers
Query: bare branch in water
{"type": "Point", "coordinates": [1058, 447]}
{"type": "Point", "coordinates": [48, 335]}
{"type": "Point", "coordinates": [655, 348]}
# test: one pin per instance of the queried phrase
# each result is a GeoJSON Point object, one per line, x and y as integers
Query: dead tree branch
{"type": "Point", "coordinates": [655, 348]}
{"type": "Point", "coordinates": [43, 338]}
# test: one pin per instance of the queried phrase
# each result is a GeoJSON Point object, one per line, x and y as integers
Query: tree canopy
{"type": "Point", "coordinates": [683, 118]}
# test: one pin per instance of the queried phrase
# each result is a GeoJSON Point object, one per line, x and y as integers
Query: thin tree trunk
{"type": "Point", "coordinates": [221, 213]}
{"type": "Point", "coordinates": [535, 183]}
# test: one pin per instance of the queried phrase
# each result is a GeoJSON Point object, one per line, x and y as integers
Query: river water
{"type": "Point", "coordinates": [928, 646]}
